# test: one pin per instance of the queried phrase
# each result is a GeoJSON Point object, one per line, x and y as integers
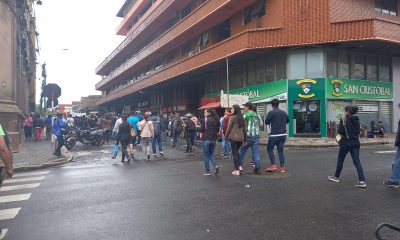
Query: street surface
{"type": "Point", "coordinates": [95, 197]}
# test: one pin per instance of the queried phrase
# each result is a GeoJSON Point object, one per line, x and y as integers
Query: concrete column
{"type": "Point", "coordinates": [396, 92]}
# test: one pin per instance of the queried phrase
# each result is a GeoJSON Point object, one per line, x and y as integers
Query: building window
{"type": "Point", "coordinates": [372, 68]}
{"type": "Point", "coordinates": [297, 64]}
{"type": "Point", "coordinates": [314, 63]}
{"type": "Point", "coordinates": [331, 62]}
{"type": "Point", "coordinates": [358, 66]}
{"type": "Point", "coordinates": [250, 73]}
{"type": "Point", "coordinates": [344, 65]}
{"type": "Point", "coordinates": [260, 71]}
{"type": "Point", "coordinates": [386, 6]}
{"type": "Point", "coordinates": [224, 30]}
{"type": "Point", "coordinates": [254, 11]}
{"type": "Point", "coordinates": [185, 11]}
{"type": "Point", "coordinates": [270, 68]}
{"type": "Point", "coordinates": [170, 57]}
{"type": "Point", "coordinates": [185, 49]}
{"type": "Point", "coordinates": [280, 66]}
{"type": "Point", "coordinates": [384, 69]}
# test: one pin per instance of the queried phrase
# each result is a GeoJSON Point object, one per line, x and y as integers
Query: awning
{"type": "Point", "coordinates": [210, 105]}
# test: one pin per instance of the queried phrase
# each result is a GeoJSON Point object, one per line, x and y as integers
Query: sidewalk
{"type": "Point", "coordinates": [36, 155]}
{"type": "Point", "coordinates": [330, 142]}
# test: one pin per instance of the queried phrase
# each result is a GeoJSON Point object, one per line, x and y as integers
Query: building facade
{"type": "Point", "coordinates": [315, 56]}
{"type": "Point", "coordinates": [18, 65]}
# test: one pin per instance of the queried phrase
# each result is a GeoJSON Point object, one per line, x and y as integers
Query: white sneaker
{"type": "Point", "coordinates": [361, 184]}
{"type": "Point", "coordinates": [240, 169]}
{"type": "Point", "coordinates": [236, 173]}
{"type": "Point", "coordinates": [333, 179]}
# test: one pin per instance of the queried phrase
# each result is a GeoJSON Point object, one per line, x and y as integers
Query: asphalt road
{"type": "Point", "coordinates": [95, 197]}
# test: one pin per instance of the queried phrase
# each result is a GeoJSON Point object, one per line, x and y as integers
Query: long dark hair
{"type": "Point", "coordinates": [239, 116]}
{"type": "Point", "coordinates": [351, 109]}
{"type": "Point", "coordinates": [213, 114]}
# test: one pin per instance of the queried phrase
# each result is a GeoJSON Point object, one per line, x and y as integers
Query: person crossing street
{"type": "Point", "coordinates": [394, 180]}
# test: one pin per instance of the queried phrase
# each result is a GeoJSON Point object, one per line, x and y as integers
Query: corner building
{"type": "Point", "coordinates": [315, 56]}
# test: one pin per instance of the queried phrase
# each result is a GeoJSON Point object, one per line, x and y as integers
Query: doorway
{"type": "Point", "coordinates": [306, 118]}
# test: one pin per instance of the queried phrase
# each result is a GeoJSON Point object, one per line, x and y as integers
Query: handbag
{"type": "Point", "coordinates": [133, 132]}
{"type": "Point", "coordinates": [114, 152]}
{"type": "Point", "coordinates": [339, 137]}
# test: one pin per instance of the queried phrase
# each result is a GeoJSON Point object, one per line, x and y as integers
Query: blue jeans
{"type": "Point", "coordinates": [352, 146]}
{"type": "Point", "coordinates": [176, 137]}
{"type": "Point", "coordinates": [208, 154]}
{"type": "Point", "coordinates": [279, 142]}
{"type": "Point", "coordinates": [252, 142]}
{"type": "Point", "coordinates": [395, 177]}
{"type": "Point", "coordinates": [156, 141]}
{"type": "Point", "coordinates": [226, 146]}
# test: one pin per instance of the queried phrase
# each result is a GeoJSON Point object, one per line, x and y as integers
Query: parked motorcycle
{"type": "Point", "coordinates": [93, 136]}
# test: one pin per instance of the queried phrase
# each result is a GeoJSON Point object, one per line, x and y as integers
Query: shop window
{"type": "Point", "coordinates": [384, 69]}
{"type": "Point", "coordinates": [314, 63]}
{"type": "Point", "coordinates": [372, 68]}
{"type": "Point", "coordinates": [386, 6]}
{"type": "Point", "coordinates": [260, 71]}
{"type": "Point", "coordinates": [344, 67]}
{"type": "Point", "coordinates": [254, 12]}
{"type": "Point", "coordinates": [280, 66]}
{"type": "Point", "coordinates": [224, 30]}
{"type": "Point", "coordinates": [358, 66]}
{"type": "Point", "coordinates": [251, 73]}
{"type": "Point", "coordinates": [186, 11]}
{"type": "Point", "coordinates": [331, 62]}
{"type": "Point", "coordinates": [270, 68]}
{"type": "Point", "coordinates": [297, 64]}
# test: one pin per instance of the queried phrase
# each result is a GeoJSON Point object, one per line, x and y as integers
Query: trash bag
{"type": "Point", "coordinates": [114, 152]}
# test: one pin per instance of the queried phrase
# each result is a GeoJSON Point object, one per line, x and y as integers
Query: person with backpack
{"type": "Point", "coordinates": [253, 137]}
{"type": "Point", "coordinates": [189, 128]}
{"type": "Point", "coordinates": [349, 129]}
{"type": "Point", "coordinates": [394, 180]}
{"type": "Point", "coordinates": [209, 134]}
{"type": "Point", "coordinates": [158, 130]}
{"type": "Point", "coordinates": [6, 156]}
{"type": "Point", "coordinates": [58, 125]}
{"type": "Point", "coordinates": [237, 135]}
{"type": "Point", "coordinates": [278, 119]}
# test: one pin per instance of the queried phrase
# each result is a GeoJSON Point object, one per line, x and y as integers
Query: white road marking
{"type": "Point", "coordinates": [15, 198]}
{"type": "Point", "coordinates": [385, 152]}
{"type": "Point", "coordinates": [3, 233]}
{"type": "Point", "coordinates": [19, 187]}
{"type": "Point", "coordinates": [9, 213]}
{"type": "Point", "coordinates": [80, 167]}
{"type": "Point", "coordinates": [18, 180]}
{"type": "Point", "coordinates": [83, 153]}
{"type": "Point", "coordinates": [30, 174]}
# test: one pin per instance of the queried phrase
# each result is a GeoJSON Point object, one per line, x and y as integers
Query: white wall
{"type": "Point", "coordinates": [396, 92]}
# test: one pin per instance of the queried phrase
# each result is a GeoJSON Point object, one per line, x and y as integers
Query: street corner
{"type": "Point", "coordinates": [49, 163]}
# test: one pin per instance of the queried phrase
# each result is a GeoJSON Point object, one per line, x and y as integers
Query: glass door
{"type": "Point", "coordinates": [306, 118]}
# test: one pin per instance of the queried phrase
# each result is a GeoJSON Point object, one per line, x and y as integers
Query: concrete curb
{"type": "Point", "coordinates": [35, 166]}
{"type": "Point", "coordinates": [328, 144]}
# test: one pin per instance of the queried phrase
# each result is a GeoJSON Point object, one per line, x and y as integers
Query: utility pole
{"type": "Point", "coordinates": [227, 78]}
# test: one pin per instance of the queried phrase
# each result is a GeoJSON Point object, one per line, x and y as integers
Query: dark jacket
{"type": "Point", "coordinates": [157, 125]}
{"type": "Point", "coordinates": [397, 142]}
{"type": "Point", "coordinates": [177, 125]}
{"type": "Point", "coordinates": [38, 123]}
{"type": "Point", "coordinates": [352, 126]}
{"type": "Point", "coordinates": [209, 129]}
{"type": "Point", "coordinates": [278, 120]}
{"type": "Point", "coordinates": [189, 128]}
{"type": "Point", "coordinates": [124, 132]}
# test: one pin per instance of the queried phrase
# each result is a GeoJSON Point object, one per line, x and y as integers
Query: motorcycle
{"type": "Point", "coordinates": [93, 136]}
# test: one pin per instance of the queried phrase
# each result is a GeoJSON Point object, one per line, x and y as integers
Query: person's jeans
{"type": "Point", "coordinates": [395, 177]}
{"type": "Point", "coordinates": [157, 140]}
{"type": "Point", "coordinates": [208, 154]}
{"type": "Point", "coordinates": [60, 143]}
{"type": "Point", "coordinates": [146, 146]}
{"type": "Point", "coordinates": [125, 154]}
{"type": "Point", "coordinates": [352, 146]}
{"type": "Point", "coordinates": [253, 142]}
{"type": "Point", "coordinates": [235, 153]}
{"type": "Point", "coordinates": [226, 146]}
{"type": "Point", "coordinates": [189, 143]}
{"type": "Point", "coordinates": [176, 138]}
{"type": "Point", "coordinates": [107, 135]}
{"type": "Point", "coordinates": [279, 142]}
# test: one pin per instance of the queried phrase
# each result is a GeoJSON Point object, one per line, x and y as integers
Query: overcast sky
{"type": "Point", "coordinates": [87, 29]}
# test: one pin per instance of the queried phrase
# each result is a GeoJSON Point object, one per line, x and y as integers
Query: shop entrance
{"type": "Point", "coordinates": [306, 118]}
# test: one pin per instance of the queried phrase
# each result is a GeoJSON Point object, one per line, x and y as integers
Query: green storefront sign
{"type": "Point", "coordinates": [337, 88]}
{"type": "Point", "coordinates": [260, 93]}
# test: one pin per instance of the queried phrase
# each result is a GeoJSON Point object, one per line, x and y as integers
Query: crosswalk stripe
{"type": "Point", "coordinates": [3, 233]}
{"type": "Point", "coordinates": [18, 180]}
{"type": "Point", "coordinates": [30, 174]}
{"type": "Point", "coordinates": [19, 187]}
{"type": "Point", "coordinates": [15, 198]}
{"type": "Point", "coordinates": [385, 152]}
{"type": "Point", "coordinates": [9, 213]}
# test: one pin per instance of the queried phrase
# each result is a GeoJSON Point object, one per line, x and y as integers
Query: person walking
{"type": "Point", "coordinates": [57, 126]}
{"type": "Point", "coordinates": [177, 129]}
{"type": "Point", "coordinates": [6, 168]}
{"type": "Point", "coordinates": [253, 137]}
{"type": "Point", "coordinates": [124, 137]}
{"type": "Point", "coordinates": [189, 128]}
{"type": "Point", "coordinates": [134, 120]}
{"type": "Point", "coordinates": [49, 126]}
{"type": "Point", "coordinates": [236, 135]}
{"type": "Point", "coordinates": [394, 179]}
{"type": "Point", "coordinates": [38, 125]}
{"type": "Point", "coordinates": [227, 145]}
{"type": "Point", "coordinates": [196, 125]}
{"type": "Point", "coordinates": [28, 123]}
{"type": "Point", "coordinates": [209, 130]}
{"type": "Point", "coordinates": [277, 119]}
{"type": "Point", "coordinates": [106, 123]}
{"type": "Point", "coordinates": [146, 129]}
{"type": "Point", "coordinates": [349, 129]}
{"type": "Point", "coordinates": [158, 131]}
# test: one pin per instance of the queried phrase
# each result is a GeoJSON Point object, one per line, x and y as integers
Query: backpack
{"type": "Point", "coordinates": [253, 126]}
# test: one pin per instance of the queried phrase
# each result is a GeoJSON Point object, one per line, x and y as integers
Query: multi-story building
{"type": "Point", "coordinates": [316, 56]}
{"type": "Point", "coordinates": [18, 64]}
